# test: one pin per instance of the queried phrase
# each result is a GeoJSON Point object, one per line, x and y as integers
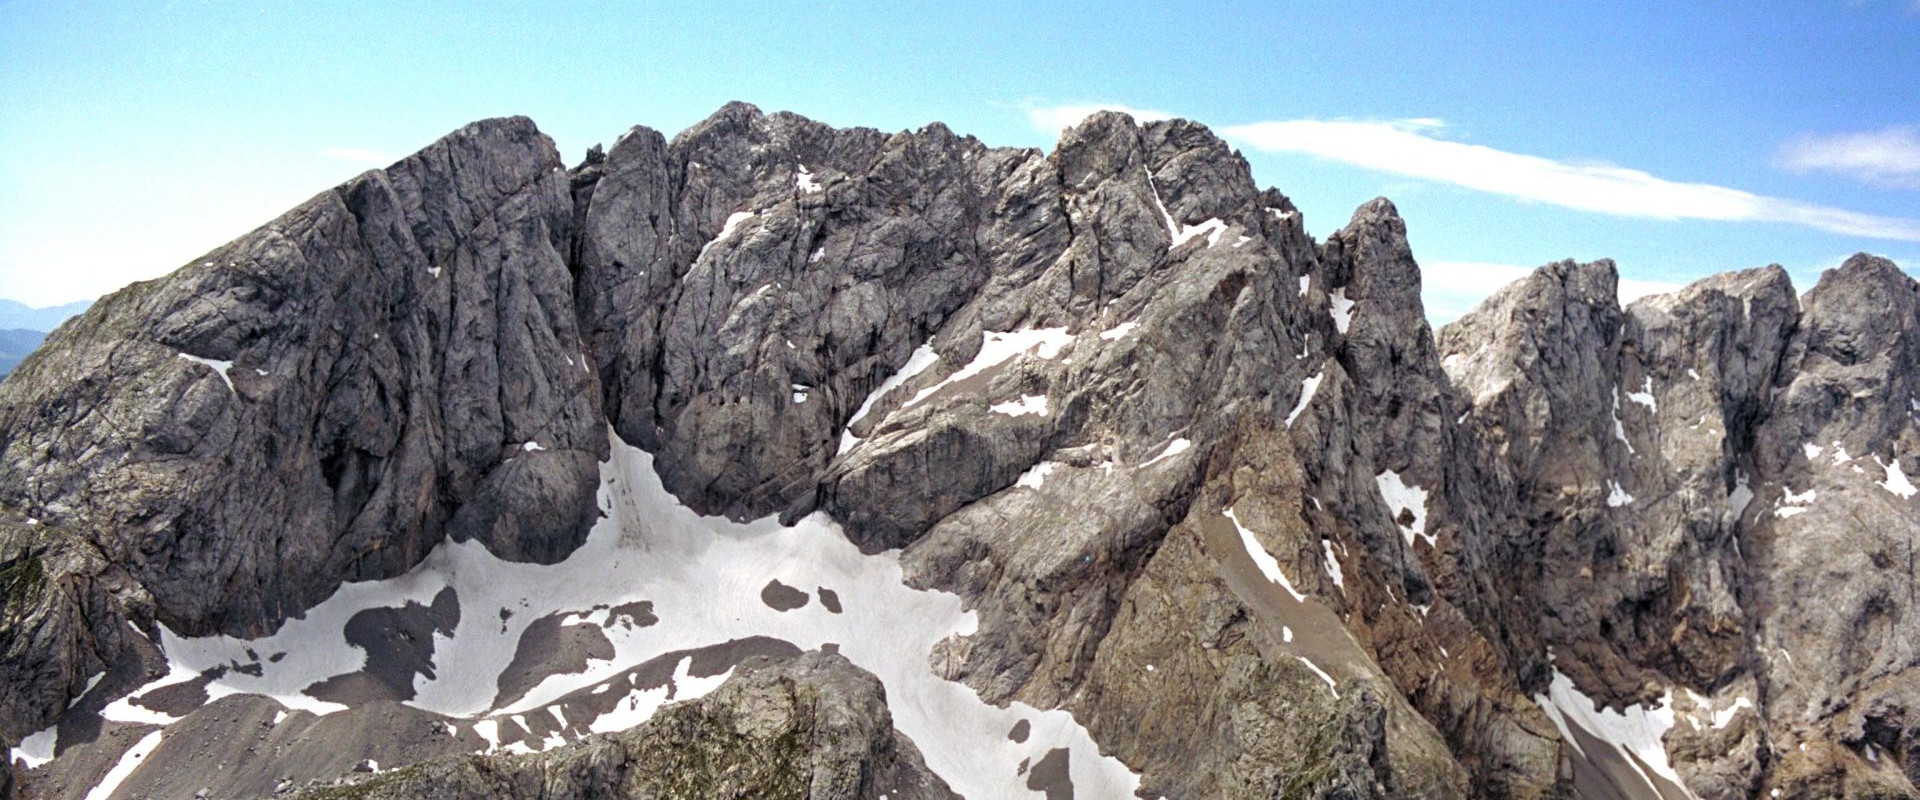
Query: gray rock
{"type": "Point", "coordinates": [326, 398]}
{"type": "Point", "coordinates": [812, 726]}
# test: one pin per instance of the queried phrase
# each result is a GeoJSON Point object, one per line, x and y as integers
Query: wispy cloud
{"type": "Point", "coordinates": [1450, 289]}
{"type": "Point", "coordinates": [358, 155]}
{"type": "Point", "coordinates": [1889, 156]}
{"type": "Point", "coordinates": [1407, 147]}
{"type": "Point", "coordinates": [1050, 120]}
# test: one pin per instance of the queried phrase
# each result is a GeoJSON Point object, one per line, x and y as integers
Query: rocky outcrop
{"type": "Point", "coordinates": [811, 727]}
{"type": "Point", "coordinates": [326, 398]}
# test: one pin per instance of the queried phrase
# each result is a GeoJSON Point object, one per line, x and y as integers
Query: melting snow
{"type": "Point", "coordinates": [1720, 718]}
{"type": "Point", "coordinates": [532, 447]}
{"type": "Point", "coordinates": [1035, 476]}
{"type": "Point", "coordinates": [219, 367]}
{"type": "Point", "coordinates": [37, 749]}
{"type": "Point", "coordinates": [803, 180]}
{"type": "Point", "coordinates": [996, 348]}
{"type": "Point", "coordinates": [1307, 389]}
{"type": "Point", "coordinates": [1341, 308]}
{"type": "Point", "coordinates": [1331, 686]}
{"type": "Point", "coordinates": [128, 762]}
{"type": "Point", "coordinates": [1403, 497]}
{"type": "Point", "coordinates": [1212, 229]}
{"type": "Point", "coordinates": [1333, 565]}
{"type": "Point", "coordinates": [1185, 233]}
{"type": "Point", "coordinates": [1645, 395]}
{"type": "Point", "coordinates": [703, 576]}
{"type": "Point", "coordinates": [1173, 448]}
{"type": "Point", "coordinates": [733, 221]}
{"type": "Point", "coordinates": [1027, 404]}
{"type": "Point", "coordinates": [923, 357]}
{"type": "Point", "coordinates": [1795, 503]}
{"type": "Point", "coordinates": [1619, 430]}
{"type": "Point", "coordinates": [1636, 732]}
{"type": "Point", "coordinates": [800, 392]}
{"type": "Point", "coordinates": [1305, 281]}
{"type": "Point", "coordinates": [1896, 481]}
{"type": "Point", "coordinates": [1616, 496]}
{"type": "Point", "coordinates": [1812, 450]}
{"type": "Point", "coordinates": [1263, 559]}
{"type": "Point", "coordinates": [1118, 331]}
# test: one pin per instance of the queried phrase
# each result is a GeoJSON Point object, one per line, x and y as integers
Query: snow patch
{"type": "Point", "coordinates": [129, 761]}
{"type": "Point", "coordinates": [532, 447]}
{"type": "Point", "coordinates": [1305, 281]}
{"type": "Point", "coordinates": [1185, 233]}
{"type": "Point", "coordinates": [37, 749]}
{"type": "Point", "coordinates": [1173, 448]}
{"type": "Point", "coordinates": [1795, 503]}
{"type": "Point", "coordinates": [703, 576]}
{"type": "Point", "coordinates": [1331, 686]}
{"type": "Point", "coordinates": [1619, 430]}
{"type": "Point", "coordinates": [1896, 481]}
{"type": "Point", "coordinates": [1341, 308]}
{"type": "Point", "coordinates": [1035, 476]}
{"type": "Point", "coordinates": [1119, 331]}
{"type": "Point", "coordinates": [997, 348]}
{"type": "Point", "coordinates": [1333, 565]}
{"type": "Point", "coordinates": [1307, 389]}
{"type": "Point", "coordinates": [1027, 404]}
{"type": "Point", "coordinates": [1811, 450]}
{"type": "Point", "coordinates": [1616, 496]}
{"type": "Point", "coordinates": [1635, 732]}
{"type": "Point", "coordinates": [726, 230]}
{"type": "Point", "coordinates": [922, 357]}
{"type": "Point", "coordinates": [1645, 395]}
{"type": "Point", "coordinates": [1263, 559]}
{"type": "Point", "coordinates": [219, 368]}
{"type": "Point", "coordinates": [803, 180]}
{"type": "Point", "coordinates": [1403, 497]}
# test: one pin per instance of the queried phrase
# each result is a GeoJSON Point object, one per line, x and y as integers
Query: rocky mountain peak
{"type": "Point", "coordinates": [949, 469]}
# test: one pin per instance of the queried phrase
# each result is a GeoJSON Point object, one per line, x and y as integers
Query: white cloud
{"type": "Point", "coordinates": [358, 155]}
{"type": "Point", "coordinates": [1051, 120]}
{"type": "Point", "coordinates": [1889, 156]}
{"type": "Point", "coordinates": [1450, 289]}
{"type": "Point", "coordinates": [1402, 147]}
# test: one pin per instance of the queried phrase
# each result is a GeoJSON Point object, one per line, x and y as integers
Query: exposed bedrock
{"type": "Point", "coordinates": [1214, 487]}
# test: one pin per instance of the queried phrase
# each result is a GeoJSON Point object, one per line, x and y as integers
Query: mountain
{"type": "Point", "coordinates": [18, 315]}
{"type": "Point", "coordinates": [781, 460]}
{"type": "Point", "coordinates": [15, 345]}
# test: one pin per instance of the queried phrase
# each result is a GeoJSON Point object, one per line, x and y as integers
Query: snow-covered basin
{"type": "Point", "coordinates": [704, 577]}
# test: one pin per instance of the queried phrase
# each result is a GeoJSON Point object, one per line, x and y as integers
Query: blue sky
{"type": "Point", "coordinates": [1679, 139]}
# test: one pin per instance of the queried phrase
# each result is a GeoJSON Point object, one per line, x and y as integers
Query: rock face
{"type": "Point", "coordinates": [326, 398]}
{"type": "Point", "coordinates": [1213, 491]}
{"type": "Point", "coordinates": [813, 727]}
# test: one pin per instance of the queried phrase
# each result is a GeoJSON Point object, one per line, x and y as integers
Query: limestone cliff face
{"type": "Point", "coordinates": [1214, 488]}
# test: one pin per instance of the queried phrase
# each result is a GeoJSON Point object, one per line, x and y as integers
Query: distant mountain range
{"type": "Point", "coordinates": [17, 315]}
{"type": "Point", "coordinates": [23, 326]}
{"type": "Point", "coordinates": [15, 344]}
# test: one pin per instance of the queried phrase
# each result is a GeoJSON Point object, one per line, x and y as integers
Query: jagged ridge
{"type": "Point", "coordinates": [1138, 376]}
